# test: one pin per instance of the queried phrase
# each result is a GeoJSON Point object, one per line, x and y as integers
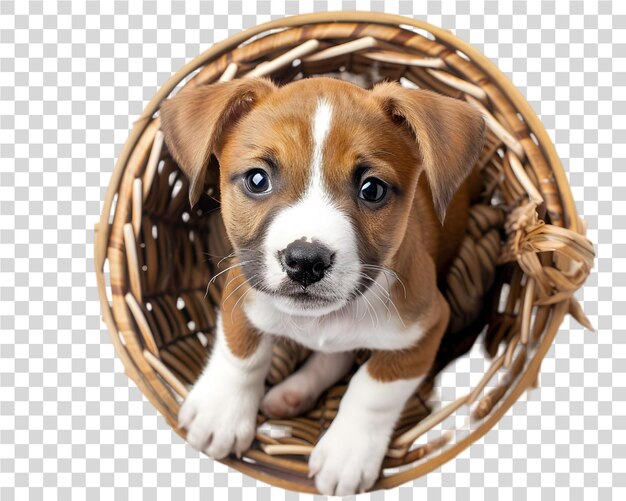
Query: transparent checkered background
{"type": "Point", "coordinates": [73, 77]}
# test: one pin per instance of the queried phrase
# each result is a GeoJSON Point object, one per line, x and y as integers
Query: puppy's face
{"type": "Point", "coordinates": [318, 178]}
{"type": "Point", "coordinates": [316, 185]}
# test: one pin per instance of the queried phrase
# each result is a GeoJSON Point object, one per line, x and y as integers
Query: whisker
{"type": "Point", "coordinates": [215, 255]}
{"type": "Point", "coordinates": [232, 280]}
{"type": "Point", "coordinates": [385, 291]}
{"type": "Point", "coordinates": [220, 273]}
{"type": "Point", "coordinates": [232, 254]}
{"type": "Point", "coordinates": [228, 269]}
{"type": "Point", "coordinates": [380, 298]}
{"type": "Point", "coordinates": [373, 310]}
{"type": "Point", "coordinates": [245, 249]}
{"type": "Point", "coordinates": [387, 271]}
{"type": "Point", "coordinates": [398, 313]}
{"type": "Point", "coordinates": [356, 311]}
{"type": "Point", "coordinates": [211, 211]}
{"type": "Point", "coordinates": [387, 280]}
{"type": "Point", "coordinates": [389, 300]}
{"type": "Point", "coordinates": [241, 298]}
{"type": "Point", "coordinates": [367, 310]}
{"type": "Point", "coordinates": [238, 287]}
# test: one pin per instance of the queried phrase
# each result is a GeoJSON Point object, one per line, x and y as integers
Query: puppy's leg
{"type": "Point", "coordinates": [299, 392]}
{"type": "Point", "coordinates": [220, 411]}
{"type": "Point", "coordinates": [349, 455]}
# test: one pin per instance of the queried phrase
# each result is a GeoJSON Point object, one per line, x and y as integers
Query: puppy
{"type": "Point", "coordinates": [339, 242]}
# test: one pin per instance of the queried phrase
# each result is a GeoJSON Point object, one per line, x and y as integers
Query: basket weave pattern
{"type": "Point", "coordinates": [524, 255]}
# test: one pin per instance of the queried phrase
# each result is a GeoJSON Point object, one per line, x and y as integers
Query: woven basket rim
{"type": "Point", "coordinates": [520, 102]}
{"type": "Point", "coordinates": [571, 218]}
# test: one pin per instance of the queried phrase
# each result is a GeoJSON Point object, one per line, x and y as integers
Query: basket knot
{"type": "Point", "coordinates": [557, 260]}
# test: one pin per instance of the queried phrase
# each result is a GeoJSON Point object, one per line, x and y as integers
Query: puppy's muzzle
{"type": "Point", "coordinates": [306, 262]}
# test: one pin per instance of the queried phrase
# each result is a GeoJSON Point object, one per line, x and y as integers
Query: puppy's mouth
{"type": "Point", "coordinates": [306, 296]}
{"type": "Point", "coordinates": [295, 299]}
{"type": "Point", "coordinates": [314, 300]}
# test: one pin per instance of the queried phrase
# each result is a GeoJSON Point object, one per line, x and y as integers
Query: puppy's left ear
{"type": "Point", "coordinates": [449, 134]}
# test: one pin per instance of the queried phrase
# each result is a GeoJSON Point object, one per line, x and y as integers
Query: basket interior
{"type": "Point", "coordinates": [513, 281]}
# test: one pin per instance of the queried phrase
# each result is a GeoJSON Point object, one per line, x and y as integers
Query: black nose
{"type": "Point", "coordinates": [305, 262]}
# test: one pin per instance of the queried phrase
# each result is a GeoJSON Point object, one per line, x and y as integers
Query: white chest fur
{"type": "Point", "coordinates": [370, 321]}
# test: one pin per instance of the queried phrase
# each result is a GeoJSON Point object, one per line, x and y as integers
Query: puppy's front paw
{"type": "Point", "coordinates": [220, 419]}
{"type": "Point", "coordinates": [347, 459]}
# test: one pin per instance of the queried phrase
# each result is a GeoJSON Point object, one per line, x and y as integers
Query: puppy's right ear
{"type": "Point", "coordinates": [194, 120]}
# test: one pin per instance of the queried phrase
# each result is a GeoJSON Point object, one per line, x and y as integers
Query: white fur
{"type": "Point", "coordinates": [366, 322]}
{"type": "Point", "coordinates": [321, 126]}
{"type": "Point", "coordinates": [223, 404]}
{"type": "Point", "coordinates": [314, 217]}
{"type": "Point", "coordinates": [299, 392]}
{"type": "Point", "coordinates": [348, 457]}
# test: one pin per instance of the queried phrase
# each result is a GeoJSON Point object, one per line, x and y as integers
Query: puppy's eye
{"type": "Point", "coordinates": [258, 181]}
{"type": "Point", "coordinates": [373, 190]}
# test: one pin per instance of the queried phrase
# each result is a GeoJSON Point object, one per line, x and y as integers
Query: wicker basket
{"type": "Point", "coordinates": [524, 255]}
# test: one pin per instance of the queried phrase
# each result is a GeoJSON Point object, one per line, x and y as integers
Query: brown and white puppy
{"type": "Point", "coordinates": [339, 243]}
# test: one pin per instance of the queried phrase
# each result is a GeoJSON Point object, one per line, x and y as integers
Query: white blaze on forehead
{"type": "Point", "coordinates": [321, 125]}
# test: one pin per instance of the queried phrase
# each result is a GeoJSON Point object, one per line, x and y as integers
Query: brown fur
{"type": "Point", "coordinates": [399, 134]}
{"type": "Point", "coordinates": [241, 337]}
{"type": "Point", "coordinates": [390, 365]}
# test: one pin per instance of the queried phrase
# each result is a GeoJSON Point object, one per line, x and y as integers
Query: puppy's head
{"type": "Point", "coordinates": [318, 177]}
